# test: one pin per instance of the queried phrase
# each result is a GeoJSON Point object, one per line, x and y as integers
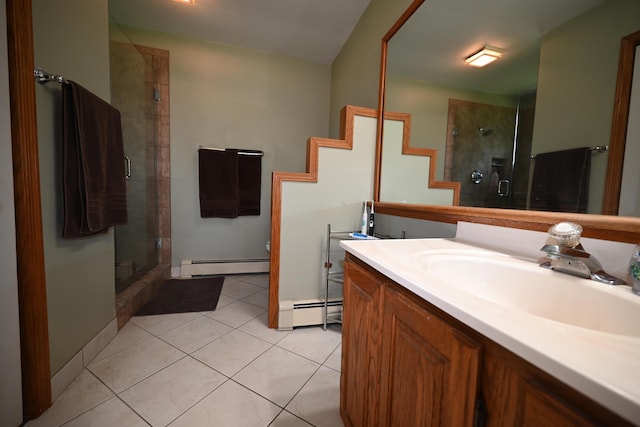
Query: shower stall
{"type": "Point", "coordinates": [489, 151]}
{"type": "Point", "coordinates": [139, 89]}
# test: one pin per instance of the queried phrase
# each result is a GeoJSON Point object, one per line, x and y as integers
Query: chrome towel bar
{"type": "Point", "coordinates": [597, 149]}
{"type": "Point", "coordinates": [43, 77]}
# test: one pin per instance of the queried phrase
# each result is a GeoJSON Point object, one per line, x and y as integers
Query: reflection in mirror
{"type": "Point", "coordinates": [480, 137]}
{"type": "Point", "coordinates": [482, 119]}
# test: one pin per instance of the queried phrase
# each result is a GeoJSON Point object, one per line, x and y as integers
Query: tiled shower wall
{"type": "Point", "coordinates": [468, 149]}
{"type": "Point", "coordinates": [157, 79]}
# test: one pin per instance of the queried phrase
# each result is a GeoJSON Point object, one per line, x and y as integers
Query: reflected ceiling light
{"type": "Point", "coordinates": [483, 57]}
{"type": "Point", "coordinates": [189, 2]}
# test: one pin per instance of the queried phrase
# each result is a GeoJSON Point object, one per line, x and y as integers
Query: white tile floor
{"type": "Point", "coordinates": [220, 368]}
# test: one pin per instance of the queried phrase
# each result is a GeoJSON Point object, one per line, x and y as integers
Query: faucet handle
{"type": "Point", "coordinates": [566, 234]}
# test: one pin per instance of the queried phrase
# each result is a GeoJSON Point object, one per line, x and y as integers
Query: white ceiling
{"type": "Point", "coordinates": [316, 30]}
{"type": "Point", "coordinates": [313, 30]}
{"type": "Point", "coordinates": [433, 44]}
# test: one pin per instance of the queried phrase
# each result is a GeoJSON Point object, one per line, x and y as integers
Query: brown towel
{"type": "Point", "coordinates": [561, 181]}
{"type": "Point", "coordinates": [94, 185]}
{"type": "Point", "coordinates": [249, 182]}
{"type": "Point", "coordinates": [218, 182]}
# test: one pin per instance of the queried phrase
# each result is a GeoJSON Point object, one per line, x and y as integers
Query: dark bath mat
{"type": "Point", "coordinates": [184, 295]}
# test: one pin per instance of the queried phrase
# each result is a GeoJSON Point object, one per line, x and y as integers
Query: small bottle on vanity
{"type": "Point", "coordinates": [634, 270]}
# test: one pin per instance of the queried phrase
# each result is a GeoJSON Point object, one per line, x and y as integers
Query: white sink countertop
{"type": "Point", "coordinates": [601, 359]}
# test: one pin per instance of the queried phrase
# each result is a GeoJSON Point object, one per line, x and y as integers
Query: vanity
{"type": "Point", "coordinates": [438, 332]}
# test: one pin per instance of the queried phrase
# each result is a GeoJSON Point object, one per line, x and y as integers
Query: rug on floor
{"type": "Point", "coordinates": [184, 295]}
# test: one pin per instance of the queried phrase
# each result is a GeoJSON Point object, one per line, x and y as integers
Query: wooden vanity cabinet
{"type": "Point", "coordinates": [407, 363]}
{"type": "Point", "coordinates": [429, 373]}
{"type": "Point", "coordinates": [361, 340]}
{"type": "Point", "coordinates": [517, 393]}
{"type": "Point", "coordinates": [401, 365]}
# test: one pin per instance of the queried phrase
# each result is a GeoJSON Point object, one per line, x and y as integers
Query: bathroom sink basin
{"type": "Point", "coordinates": [526, 287]}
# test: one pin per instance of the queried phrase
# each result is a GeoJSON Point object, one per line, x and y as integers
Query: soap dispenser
{"type": "Point", "coordinates": [634, 270]}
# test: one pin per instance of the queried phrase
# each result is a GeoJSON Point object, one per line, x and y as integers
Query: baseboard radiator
{"type": "Point", "coordinates": [193, 268]}
{"type": "Point", "coordinates": [304, 313]}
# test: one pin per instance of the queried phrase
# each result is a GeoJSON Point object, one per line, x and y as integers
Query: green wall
{"type": "Point", "coordinates": [355, 73]}
{"type": "Point", "coordinates": [225, 96]}
{"type": "Point", "coordinates": [71, 38]}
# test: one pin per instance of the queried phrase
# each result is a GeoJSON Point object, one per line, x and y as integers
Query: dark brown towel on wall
{"type": "Point", "coordinates": [94, 185]}
{"type": "Point", "coordinates": [218, 183]}
{"type": "Point", "coordinates": [561, 181]}
{"type": "Point", "coordinates": [249, 182]}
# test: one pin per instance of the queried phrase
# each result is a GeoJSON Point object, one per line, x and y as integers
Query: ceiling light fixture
{"type": "Point", "coordinates": [484, 56]}
{"type": "Point", "coordinates": [189, 2]}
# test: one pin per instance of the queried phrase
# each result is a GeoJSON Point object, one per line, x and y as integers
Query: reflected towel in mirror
{"type": "Point", "coordinates": [561, 181]}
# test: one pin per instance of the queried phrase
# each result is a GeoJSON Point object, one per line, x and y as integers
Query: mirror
{"type": "Point", "coordinates": [481, 121]}
{"type": "Point", "coordinates": [616, 228]}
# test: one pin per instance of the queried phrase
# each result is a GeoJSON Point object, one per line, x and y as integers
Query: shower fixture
{"type": "Point", "coordinates": [485, 131]}
{"type": "Point", "coordinates": [476, 176]}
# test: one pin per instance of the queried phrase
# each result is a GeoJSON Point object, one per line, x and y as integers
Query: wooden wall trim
{"type": "Point", "coordinates": [622, 229]}
{"type": "Point", "coordinates": [377, 169]}
{"type": "Point", "coordinates": [617, 142]}
{"type": "Point", "coordinates": [32, 298]}
{"type": "Point", "coordinates": [348, 114]}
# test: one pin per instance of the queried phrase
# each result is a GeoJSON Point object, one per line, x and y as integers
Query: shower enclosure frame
{"type": "Point", "coordinates": [140, 291]}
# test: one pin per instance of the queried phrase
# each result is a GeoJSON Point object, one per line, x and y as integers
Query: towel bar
{"type": "Point", "coordinates": [43, 77]}
{"type": "Point", "coordinates": [597, 149]}
{"type": "Point", "coordinates": [244, 153]}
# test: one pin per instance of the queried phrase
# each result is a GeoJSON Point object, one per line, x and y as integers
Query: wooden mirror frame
{"type": "Point", "coordinates": [619, 123]}
{"type": "Point", "coordinates": [609, 227]}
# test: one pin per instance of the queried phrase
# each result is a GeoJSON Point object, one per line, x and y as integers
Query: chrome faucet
{"type": "Point", "coordinates": [565, 254]}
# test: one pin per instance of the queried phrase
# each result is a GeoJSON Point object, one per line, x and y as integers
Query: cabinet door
{"type": "Point", "coordinates": [542, 408]}
{"type": "Point", "coordinates": [429, 368]}
{"type": "Point", "coordinates": [361, 335]}
{"type": "Point", "coordinates": [519, 394]}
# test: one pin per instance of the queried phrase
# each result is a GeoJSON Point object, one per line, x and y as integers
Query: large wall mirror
{"type": "Point", "coordinates": [562, 87]}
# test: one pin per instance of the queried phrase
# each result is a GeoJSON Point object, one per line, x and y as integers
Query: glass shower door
{"type": "Point", "coordinates": [132, 93]}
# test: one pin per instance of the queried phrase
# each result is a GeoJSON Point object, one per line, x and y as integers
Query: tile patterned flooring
{"type": "Point", "coordinates": [219, 368]}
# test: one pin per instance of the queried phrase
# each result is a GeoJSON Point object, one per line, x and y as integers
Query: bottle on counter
{"type": "Point", "coordinates": [634, 270]}
{"type": "Point", "coordinates": [363, 224]}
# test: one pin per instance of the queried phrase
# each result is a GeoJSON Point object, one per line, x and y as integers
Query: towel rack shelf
{"type": "Point", "coordinates": [334, 276]}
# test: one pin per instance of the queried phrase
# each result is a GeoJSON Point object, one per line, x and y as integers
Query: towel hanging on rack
{"type": "Point", "coordinates": [218, 183]}
{"type": "Point", "coordinates": [94, 187]}
{"type": "Point", "coordinates": [561, 181]}
{"type": "Point", "coordinates": [229, 182]}
{"type": "Point", "coordinates": [249, 182]}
